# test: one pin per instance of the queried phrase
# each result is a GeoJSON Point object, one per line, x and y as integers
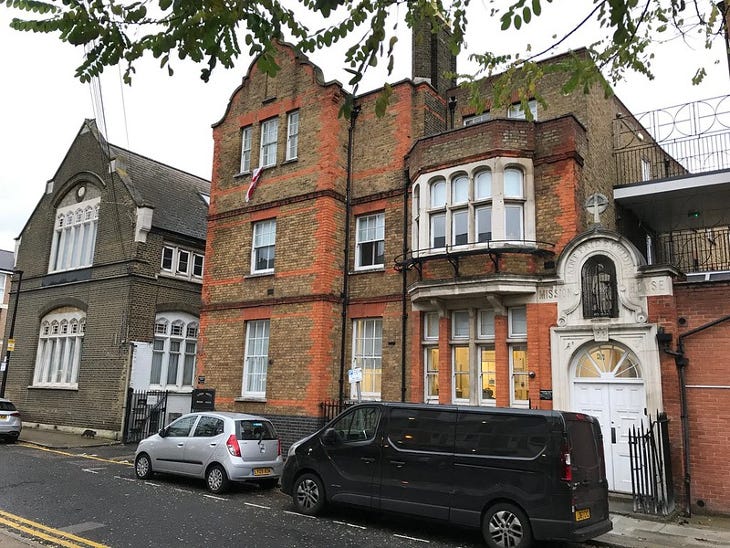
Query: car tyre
{"type": "Point", "coordinates": [309, 496]}
{"type": "Point", "coordinates": [216, 479]}
{"type": "Point", "coordinates": [143, 466]}
{"type": "Point", "coordinates": [269, 483]}
{"type": "Point", "coordinates": [504, 525]}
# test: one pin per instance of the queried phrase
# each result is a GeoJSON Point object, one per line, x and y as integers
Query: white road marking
{"type": "Point", "coordinates": [413, 538]}
{"type": "Point", "coordinates": [185, 491]}
{"type": "Point", "coordinates": [90, 470]}
{"type": "Point", "coordinates": [214, 497]}
{"type": "Point", "coordinates": [125, 479]}
{"type": "Point", "coordinates": [298, 514]}
{"type": "Point", "coordinates": [257, 505]}
{"type": "Point", "coordinates": [152, 484]}
{"type": "Point", "coordinates": [350, 524]}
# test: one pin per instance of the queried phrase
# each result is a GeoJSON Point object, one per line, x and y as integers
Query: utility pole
{"type": "Point", "coordinates": [6, 362]}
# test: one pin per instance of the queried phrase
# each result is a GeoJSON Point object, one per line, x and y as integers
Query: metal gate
{"type": "Point", "coordinates": [145, 414]}
{"type": "Point", "coordinates": [651, 469]}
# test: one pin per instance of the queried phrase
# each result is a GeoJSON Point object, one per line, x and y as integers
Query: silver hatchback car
{"type": "Point", "coordinates": [218, 446]}
{"type": "Point", "coordinates": [10, 423]}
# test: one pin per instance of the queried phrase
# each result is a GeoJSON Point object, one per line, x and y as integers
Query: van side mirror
{"type": "Point", "coordinates": [331, 437]}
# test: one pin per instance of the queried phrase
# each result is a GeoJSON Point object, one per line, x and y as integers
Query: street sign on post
{"type": "Point", "coordinates": [11, 345]}
{"type": "Point", "coordinates": [355, 376]}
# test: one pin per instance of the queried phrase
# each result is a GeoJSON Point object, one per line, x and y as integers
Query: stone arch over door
{"type": "Point", "coordinates": [607, 382]}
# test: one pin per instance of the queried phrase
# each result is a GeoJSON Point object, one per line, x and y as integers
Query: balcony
{"type": "Point", "coordinates": [673, 196]}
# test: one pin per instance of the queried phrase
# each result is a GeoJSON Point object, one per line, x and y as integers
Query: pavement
{"type": "Point", "coordinates": [630, 529]}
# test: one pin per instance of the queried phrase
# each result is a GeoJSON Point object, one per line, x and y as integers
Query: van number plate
{"type": "Point", "coordinates": [266, 472]}
{"type": "Point", "coordinates": [580, 515]}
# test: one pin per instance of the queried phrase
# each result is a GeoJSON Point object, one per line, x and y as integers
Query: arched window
{"type": "Point", "coordinates": [598, 282]}
{"type": "Point", "coordinates": [74, 236]}
{"type": "Point", "coordinates": [59, 349]}
{"type": "Point", "coordinates": [173, 350]}
{"type": "Point", "coordinates": [607, 361]}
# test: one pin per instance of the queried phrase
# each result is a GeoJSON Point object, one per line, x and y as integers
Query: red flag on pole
{"type": "Point", "coordinates": [254, 181]}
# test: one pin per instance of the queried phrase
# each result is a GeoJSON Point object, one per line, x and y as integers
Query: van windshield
{"type": "Point", "coordinates": [585, 443]}
{"type": "Point", "coordinates": [255, 430]}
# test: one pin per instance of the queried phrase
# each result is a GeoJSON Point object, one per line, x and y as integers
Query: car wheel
{"type": "Point", "coordinates": [217, 479]}
{"type": "Point", "coordinates": [269, 483]}
{"type": "Point", "coordinates": [143, 466]}
{"type": "Point", "coordinates": [505, 525]}
{"type": "Point", "coordinates": [309, 495]}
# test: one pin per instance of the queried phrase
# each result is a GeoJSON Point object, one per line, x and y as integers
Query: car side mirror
{"type": "Point", "coordinates": [163, 432]}
{"type": "Point", "coordinates": [331, 437]}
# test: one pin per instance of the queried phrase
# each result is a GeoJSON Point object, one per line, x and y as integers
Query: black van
{"type": "Point", "coordinates": [519, 475]}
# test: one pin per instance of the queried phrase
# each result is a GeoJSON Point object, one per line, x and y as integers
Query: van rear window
{"type": "Point", "coordinates": [584, 450]}
{"type": "Point", "coordinates": [501, 435]}
{"type": "Point", "coordinates": [255, 430]}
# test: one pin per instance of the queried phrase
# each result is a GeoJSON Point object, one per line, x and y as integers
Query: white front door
{"type": "Point", "coordinates": [618, 406]}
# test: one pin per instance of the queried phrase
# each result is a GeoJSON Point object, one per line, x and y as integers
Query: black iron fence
{"type": "Point", "coordinates": [696, 250]}
{"type": "Point", "coordinates": [145, 414]}
{"type": "Point", "coordinates": [651, 471]}
{"type": "Point", "coordinates": [331, 408]}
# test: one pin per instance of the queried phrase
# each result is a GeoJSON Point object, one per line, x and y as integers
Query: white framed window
{"type": "Point", "coordinates": [256, 359]}
{"type": "Point", "coordinates": [370, 241]}
{"type": "Point", "coordinates": [59, 349]}
{"type": "Point", "coordinates": [269, 137]}
{"type": "Point", "coordinates": [487, 375]}
{"type": "Point", "coordinates": [516, 112]}
{"type": "Point", "coordinates": [519, 373]}
{"type": "Point", "coordinates": [367, 351]}
{"type": "Point", "coordinates": [3, 278]}
{"type": "Point", "coordinates": [181, 263]}
{"type": "Point", "coordinates": [74, 236]}
{"type": "Point", "coordinates": [174, 349]}
{"type": "Point", "coordinates": [486, 203]}
{"type": "Point", "coordinates": [263, 250]}
{"type": "Point", "coordinates": [462, 374]}
{"type": "Point", "coordinates": [485, 325]}
{"type": "Point", "coordinates": [292, 135]}
{"type": "Point", "coordinates": [460, 324]}
{"type": "Point", "coordinates": [477, 118]}
{"type": "Point", "coordinates": [246, 149]}
{"type": "Point", "coordinates": [517, 317]}
{"type": "Point", "coordinates": [431, 356]}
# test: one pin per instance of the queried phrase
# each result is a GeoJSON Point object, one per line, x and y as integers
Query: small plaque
{"type": "Point", "coordinates": [546, 394]}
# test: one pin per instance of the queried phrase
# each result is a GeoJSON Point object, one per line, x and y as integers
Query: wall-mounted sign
{"type": "Point", "coordinates": [546, 394]}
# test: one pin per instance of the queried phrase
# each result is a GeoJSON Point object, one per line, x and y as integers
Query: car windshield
{"type": "Point", "coordinates": [6, 406]}
{"type": "Point", "coordinates": [255, 430]}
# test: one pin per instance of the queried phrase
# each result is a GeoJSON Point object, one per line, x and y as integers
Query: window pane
{"type": "Point", "coordinates": [422, 430]}
{"type": "Point", "coordinates": [264, 250]}
{"type": "Point", "coordinates": [438, 230]}
{"type": "Point", "coordinates": [459, 189]}
{"type": "Point", "coordinates": [489, 374]}
{"type": "Point", "coordinates": [438, 194]}
{"type": "Point", "coordinates": [483, 185]}
{"type": "Point", "coordinates": [518, 321]}
{"type": "Point", "coordinates": [461, 372]}
{"type": "Point", "coordinates": [292, 139]}
{"type": "Point", "coordinates": [486, 324]}
{"type": "Point", "coordinates": [519, 436]}
{"type": "Point", "coordinates": [167, 253]}
{"type": "Point", "coordinates": [431, 325]}
{"type": "Point", "coordinates": [257, 356]}
{"type": "Point", "coordinates": [520, 373]}
{"type": "Point", "coordinates": [269, 135]}
{"type": "Point", "coordinates": [246, 149]}
{"type": "Point", "coordinates": [484, 224]}
{"type": "Point", "coordinates": [370, 237]}
{"type": "Point", "coordinates": [367, 353]}
{"type": "Point", "coordinates": [198, 266]}
{"type": "Point", "coordinates": [172, 362]}
{"type": "Point", "coordinates": [432, 372]}
{"type": "Point", "coordinates": [513, 222]}
{"type": "Point", "coordinates": [460, 324]}
{"type": "Point", "coordinates": [460, 227]}
{"type": "Point", "coordinates": [513, 183]}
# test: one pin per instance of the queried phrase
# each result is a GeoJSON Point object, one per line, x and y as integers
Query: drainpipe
{"type": "Point", "coordinates": [346, 267]}
{"type": "Point", "coordinates": [682, 362]}
{"type": "Point", "coordinates": [404, 275]}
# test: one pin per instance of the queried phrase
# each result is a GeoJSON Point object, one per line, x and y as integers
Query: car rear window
{"type": "Point", "coordinates": [584, 442]}
{"type": "Point", "coordinates": [6, 406]}
{"type": "Point", "coordinates": [255, 430]}
{"type": "Point", "coordinates": [501, 435]}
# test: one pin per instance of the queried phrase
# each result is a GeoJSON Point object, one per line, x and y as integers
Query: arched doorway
{"type": "Point", "coordinates": [608, 384]}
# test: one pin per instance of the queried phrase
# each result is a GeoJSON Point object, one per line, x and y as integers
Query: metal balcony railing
{"type": "Point", "coordinates": [700, 250]}
{"type": "Point", "coordinates": [674, 141]}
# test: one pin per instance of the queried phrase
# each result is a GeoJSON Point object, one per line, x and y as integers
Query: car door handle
{"type": "Point", "coordinates": [180, 444]}
{"type": "Point", "coordinates": [213, 444]}
{"type": "Point", "coordinates": [367, 459]}
{"type": "Point", "coordinates": [398, 463]}
{"type": "Point", "coordinates": [613, 434]}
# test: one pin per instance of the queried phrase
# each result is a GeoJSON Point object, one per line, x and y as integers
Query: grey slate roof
{"type": "Point", "coordinates": [174, 194]}
{"type": "Point", "coordinates": [6, 260]}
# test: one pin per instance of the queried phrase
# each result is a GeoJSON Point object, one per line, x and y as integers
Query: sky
{"type": "Point", "coordinates": [42, 105]}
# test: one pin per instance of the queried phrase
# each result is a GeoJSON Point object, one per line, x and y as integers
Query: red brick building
{"type": "Point", "coordinates": [453, 256]}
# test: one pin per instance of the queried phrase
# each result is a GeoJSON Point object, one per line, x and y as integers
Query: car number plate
{"type": "Point", "coordinates": [4, 417]}
{"type": "Point", "coordinates": [261, 471]}
{"type": "Point", "coordinates": [580, 515]}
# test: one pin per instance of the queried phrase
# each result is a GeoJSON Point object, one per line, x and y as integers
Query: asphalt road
{"type": "Point", "coordinates": [97, 499]}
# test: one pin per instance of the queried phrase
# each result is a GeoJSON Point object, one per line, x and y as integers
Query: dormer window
{"type": "Point", "coordinates": [182, 263]}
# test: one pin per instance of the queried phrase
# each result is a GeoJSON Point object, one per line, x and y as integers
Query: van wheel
{"type": "Point", "coordinates": [506, 526]}
{"type": "Point", "coordinates": [309, 495]}
{"type": "Point", "coordinates": [216, 479]}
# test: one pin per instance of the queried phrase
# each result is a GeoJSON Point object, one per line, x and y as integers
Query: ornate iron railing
{"type": "Point", "coordinates": [696, 250]}
{"type": "Point", "coordinates": [673, 141]}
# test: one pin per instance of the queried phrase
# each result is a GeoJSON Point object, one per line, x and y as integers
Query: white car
{"type": "Point", "coordinates": [218, 446]}
{"type": "Point", "coordinates": [10, 423]}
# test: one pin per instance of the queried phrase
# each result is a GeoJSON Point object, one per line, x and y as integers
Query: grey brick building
{"type": "Point", "coordinates": [112, 257]}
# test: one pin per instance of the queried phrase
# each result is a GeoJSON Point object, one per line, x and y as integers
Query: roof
{"type": "Point", "coordinates": [7, 260]}
{"type": "Point", "coordinates": [175, 195]}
